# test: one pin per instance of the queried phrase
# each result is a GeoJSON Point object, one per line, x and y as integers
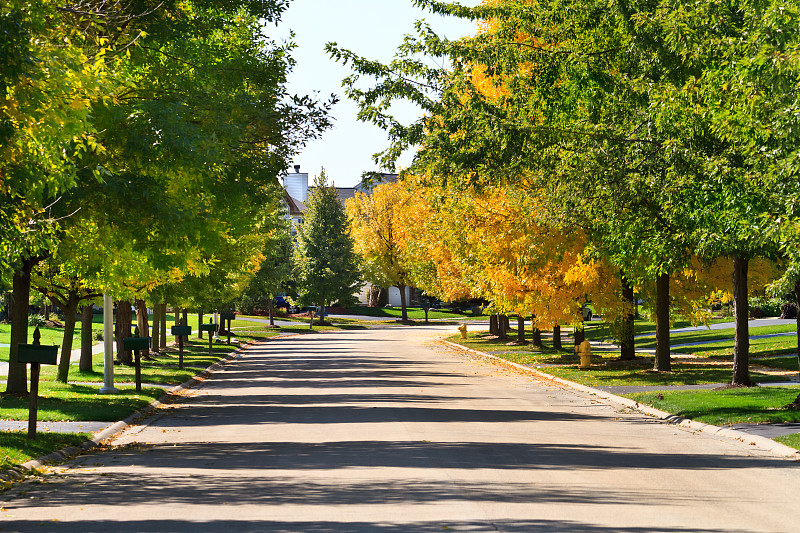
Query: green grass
{"type": "Point", "coordinates": [786, 363]}
{"type": "Point", "coordinates": [758, 348]}
{"type": "Point", "coordinates": [522, 354]}
{"type": "Point", "coordinates": [414, 313]}
{"type": "Point", "coordinates": [164, 369]}
{"type": "Point", "coordinates": [60, 402]}
{"type": "Point", "coordinates": [711, 335]}
{"type": "Point", "coordinates": [639, 375]}
{"type": "Point", "coordinates": [15, 448]}
{"type": "Point", "coordinates": [597, 331]}
{"type": "Point", "coordinates": [50, 335]}
{"type": "Point", "coordinates": [792, 440]}
{"type": "Point", "coordinates": [728, 406]}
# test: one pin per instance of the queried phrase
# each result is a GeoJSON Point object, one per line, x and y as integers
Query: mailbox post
{"type": "Point", "coordinates": [36, 355]}
{"type": "Point", "coordinates": [210, 328]}
{"type": "Point", "coordinates": [180, 332]}
{"type": "Point", "coordinates": [228, 315]}
{"type": "Point", "coordinates": [137, 344]}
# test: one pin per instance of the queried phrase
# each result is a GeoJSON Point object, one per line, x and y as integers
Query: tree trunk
{"type": "Point", "coordinates": [521, 329]}
{"type": "Point", "coordinates": [383, 296]}
{"type": "Point", "coordinates": [578, 336]}
{"type": "Point", "coordinates": [70, 311]}
{"type": "Point", "coordinates": [403, 304]}
{"type": "Point", "coordinates": [536, 337]}
{"type": "Point", "coordinates": [124, 320]}
{"type": "Point", "coordinates": [626, 334]}
{"type": "Point", "coordinates": [21, 296]}
{"type": "Point", "coordinates": [493, 329]}
{"type": "Point", "coordinates": [557, 337]}
{"type": "Point", "coordinates": [200, 321]}
{"type": "Point", "coordinates": [662, 361]}
{"type": "Point", "coordinates": [156, 328]}
{"type": "Point", "coordinates": [87, 316]}
{"type": "Point", "coordinates": [142, 323]}
{"type": "Point", "coordinates": [502, 331]}
{"type": "Point", "coordinates": [271, 311]}
{"type": "Point", "coordinates": [185, 322]}
{"type": "Point", "coordinates": [322, 312]}
{"type": "Point", "coordinates": [162, 333]}
{"type": "Point", "coordinates": [741, 342]}
{"type": "Point", "coordinates": [373, 296]}
{"type": "Point", "coordinates": [797, 318]}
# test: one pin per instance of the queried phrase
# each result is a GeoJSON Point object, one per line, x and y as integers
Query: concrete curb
{"type": "Point", "coordinates": [19, 471]}
{"type": "Point", "coordinates": [762, 443]}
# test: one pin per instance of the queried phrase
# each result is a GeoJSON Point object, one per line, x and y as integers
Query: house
{"type": "Point", "coordinates": [296, 186]}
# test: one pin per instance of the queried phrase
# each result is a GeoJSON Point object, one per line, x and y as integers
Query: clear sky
{"type": "Point", "coordinates": [372, 28]}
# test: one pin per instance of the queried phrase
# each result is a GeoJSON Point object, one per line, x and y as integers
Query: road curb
{"type": "Point", "coordinates": [19, 471]}
{"type": "Point", "coordinates": [762, 443]}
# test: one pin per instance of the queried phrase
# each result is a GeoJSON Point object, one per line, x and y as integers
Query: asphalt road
{"type": "Point", "coordinates": [386, 431]}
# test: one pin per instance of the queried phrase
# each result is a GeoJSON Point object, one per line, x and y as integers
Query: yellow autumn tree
{"type": "Point", "coordinates": [373, 224]}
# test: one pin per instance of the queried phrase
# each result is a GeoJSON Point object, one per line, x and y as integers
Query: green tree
{"type": "Point", "coordinates": [327, 265]}
{"type": "Point", "coordinates": [275, 271]}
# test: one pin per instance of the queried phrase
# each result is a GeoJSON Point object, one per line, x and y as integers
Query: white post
{"type": "Point", "coordinates": [108, 343]}
{"type": "Point", "coordinates": [216, 321]}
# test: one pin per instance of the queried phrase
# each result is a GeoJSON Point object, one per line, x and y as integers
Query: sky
{"type": "Point", "coordinates": [371, 28]}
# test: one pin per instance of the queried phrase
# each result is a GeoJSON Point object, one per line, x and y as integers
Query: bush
{"type": "Point", "coordinates": [36, 320]}
{"type": "Point", "coordinates": [789, 310]}
{"type": "Point", "coordinates": [763, 307]}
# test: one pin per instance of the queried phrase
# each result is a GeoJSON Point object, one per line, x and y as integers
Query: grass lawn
{"type": "Point", "coordinates": [164, 369]}
{"type": "Point", "coordinates": [682, 374]}
{"type": "Point", "coordinates": [635, 373]}
{"type": "Point", "coordinates": [15, 448]}
{"type": "Point", "coordinates": [758, 348]}
{"type": "Point", "coordinates": [792, 440]}
{"type": "Point", "coordinates": [414, 313]}
{"type": "Point", "coordinates": [525, 354]}
{"type": "Point", "coordinates": [598, 331]}
{"type": "Point", "coordinates": [68, 402]}
{"type": "Point", "coordinates": [708, 335]}
{"type": "Point", "coordinates": [50, 335]}
{"type": "Point", "coordinates": [786, 363]}
{"type": "Point", "coordinates": [729, 406]}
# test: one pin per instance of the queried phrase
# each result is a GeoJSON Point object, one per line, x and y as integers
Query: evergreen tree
{"type": "Point", "coordinates": [326, 261]}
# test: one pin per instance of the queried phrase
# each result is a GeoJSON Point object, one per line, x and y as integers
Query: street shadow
{"type": "Point", "coordinates": [322, 526]}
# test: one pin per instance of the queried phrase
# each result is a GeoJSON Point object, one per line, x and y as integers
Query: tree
{"type": "Point", "coordinates": [327, 266]}
{"type": "Point", "coordinates": [275, 270]}
{"type": "Point", "coordinates": [659, 127]}
{"type": "Point", "coordinates": [54, 67]}
{"type": "Point", "coordinates": [373, 228]}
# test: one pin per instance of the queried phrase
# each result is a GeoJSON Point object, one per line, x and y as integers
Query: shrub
{"type": "Point", "coordinates": [789, 310]}
{"type": "Point", "coordinates": [762, 307]}
{"type": "Point", "coordinates": [36, 320]}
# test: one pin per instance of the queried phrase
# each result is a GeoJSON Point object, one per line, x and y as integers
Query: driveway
{"type": "Point", "coordinates": [389, 431]}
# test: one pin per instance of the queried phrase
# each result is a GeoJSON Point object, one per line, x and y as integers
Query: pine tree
{"type": "Point", "coordinates": [326, 262]}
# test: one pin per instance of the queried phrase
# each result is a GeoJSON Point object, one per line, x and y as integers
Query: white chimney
{"type": "Point", "coordinates": [297, 184]}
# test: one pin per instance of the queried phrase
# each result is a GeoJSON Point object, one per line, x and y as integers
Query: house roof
{"type": "Point", "coordinates": [296, 207]}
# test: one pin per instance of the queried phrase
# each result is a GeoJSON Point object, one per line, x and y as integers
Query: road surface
{"type": "Point", "coordinates": [386, 431]}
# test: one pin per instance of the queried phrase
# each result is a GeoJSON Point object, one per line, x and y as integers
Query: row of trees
{"type": "Point", "coordinates": [596, 151]}
{"type": "Point", "coordinates": [140, 146]}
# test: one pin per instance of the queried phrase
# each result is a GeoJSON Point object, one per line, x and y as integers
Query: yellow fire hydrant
{"type": "Point", "coordinates": [463, 329]}
{"type": "Point", "coordinates": [585, 353]}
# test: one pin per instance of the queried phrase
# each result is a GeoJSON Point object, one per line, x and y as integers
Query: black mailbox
{"type": "Point", "coordinates": [31, 353]}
